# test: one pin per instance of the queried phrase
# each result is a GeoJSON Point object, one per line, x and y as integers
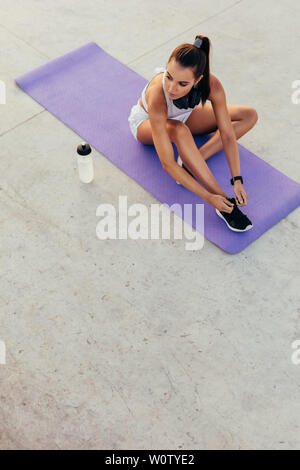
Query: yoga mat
{"type": "Point", "coordinates": [92, 93]}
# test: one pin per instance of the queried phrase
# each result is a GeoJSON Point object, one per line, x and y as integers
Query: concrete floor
{"type": "Point", "coordinates": [142, 344]}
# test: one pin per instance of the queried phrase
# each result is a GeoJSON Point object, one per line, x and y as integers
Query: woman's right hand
{"type": "Point", "coordinates": [221, 203]}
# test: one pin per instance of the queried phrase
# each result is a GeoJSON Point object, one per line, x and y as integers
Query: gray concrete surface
{"type": "Point", "coordinates": [128, 344]}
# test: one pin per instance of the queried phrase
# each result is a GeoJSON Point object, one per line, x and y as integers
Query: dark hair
{"type": "Point", "coordinates": [189, 55]}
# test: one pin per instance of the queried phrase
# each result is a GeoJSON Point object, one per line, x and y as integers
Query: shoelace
{"type": "Point", "coordinates": [236, 213]}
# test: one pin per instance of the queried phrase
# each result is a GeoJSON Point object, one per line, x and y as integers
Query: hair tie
{"type": "Point", "coordinates": [198, 42]}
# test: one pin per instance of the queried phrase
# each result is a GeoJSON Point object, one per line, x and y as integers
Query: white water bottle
{"type": "Point", "coordinates": [85, 163]}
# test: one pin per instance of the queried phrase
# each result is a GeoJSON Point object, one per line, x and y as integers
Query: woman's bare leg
{"type": "Point", "coordinates": [215, 144]}
{"type": "Point", "coordinates": [189, 154]}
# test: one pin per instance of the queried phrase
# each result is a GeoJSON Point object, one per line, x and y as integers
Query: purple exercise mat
{"type": "Point", "coordinates": [92, 93]}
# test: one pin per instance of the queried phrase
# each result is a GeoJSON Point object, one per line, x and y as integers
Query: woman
{"type": "Point", "coordinates": [169, 111]}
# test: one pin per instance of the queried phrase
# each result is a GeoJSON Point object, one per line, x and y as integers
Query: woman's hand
{"type": "Point", "coordinates": [241, 195]}
{"type": "Point", "coordinates": [220, 203]}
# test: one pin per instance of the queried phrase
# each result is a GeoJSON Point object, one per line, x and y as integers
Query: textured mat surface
{"type": "Point", "coordinates": [92, 93]}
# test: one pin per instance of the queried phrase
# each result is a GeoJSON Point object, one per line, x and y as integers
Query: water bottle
{"type": "Point", "coordinates": [85, 162]}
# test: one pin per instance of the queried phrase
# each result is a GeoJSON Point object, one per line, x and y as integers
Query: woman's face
{"type": "Point", "coordinates": [179, 80]}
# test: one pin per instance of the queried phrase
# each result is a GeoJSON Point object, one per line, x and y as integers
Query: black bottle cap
{"type": "Point", "coordinates": [83, 148]}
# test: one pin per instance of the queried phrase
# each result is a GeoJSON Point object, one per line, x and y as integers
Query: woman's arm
{"type": "Point", "coordinates": [158, 115]}
{"type": "Point", "coordinates": [218, 100]}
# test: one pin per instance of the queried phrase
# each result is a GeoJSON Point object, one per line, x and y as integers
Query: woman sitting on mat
{"type": "Point", "coordinates": [169, 111]}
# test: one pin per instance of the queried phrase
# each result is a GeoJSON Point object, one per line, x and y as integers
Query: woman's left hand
{"type": "Point", "coordinates": [241, 195]}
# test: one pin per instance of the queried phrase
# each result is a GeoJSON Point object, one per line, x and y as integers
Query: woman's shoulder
{"type": "Point", "coordinates": [156, 82]}
{"type": "Point", "coordinates": [215, 86]}
{"type": "Point", "coordinates": [155, 89]}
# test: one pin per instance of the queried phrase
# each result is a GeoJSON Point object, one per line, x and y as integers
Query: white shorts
{"type": "Point", "coordinates": [138, 115]}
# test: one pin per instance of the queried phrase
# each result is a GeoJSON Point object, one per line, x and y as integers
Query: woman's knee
{"type": "Point", "coordinates": [251, 115]}
{"type": "Point", "coordinates": [176, 129]}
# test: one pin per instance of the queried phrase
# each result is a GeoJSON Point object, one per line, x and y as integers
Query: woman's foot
{"type": "Point", "coordinates": [236, 220]}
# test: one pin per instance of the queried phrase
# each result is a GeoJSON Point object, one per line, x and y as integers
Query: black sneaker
{"type": "Point", "coordinates": [236, 220]}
